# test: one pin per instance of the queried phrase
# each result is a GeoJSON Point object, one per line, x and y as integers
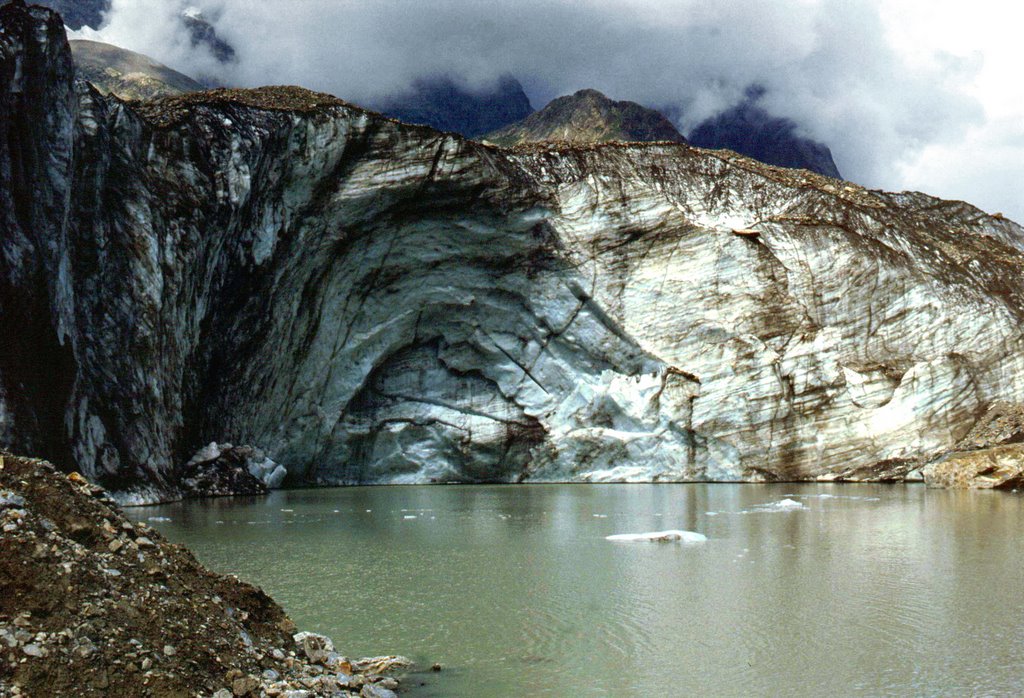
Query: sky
{"type": "Point", "coordinates": [908, 94]}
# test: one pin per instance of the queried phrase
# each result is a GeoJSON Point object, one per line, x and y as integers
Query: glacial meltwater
{"type": "Point", "coordinates": [844, 589]}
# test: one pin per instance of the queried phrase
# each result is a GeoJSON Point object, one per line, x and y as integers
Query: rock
{"type": "Point", "coordinates": [144, 542]}
{"type": "Point", "coordinates": [223, 469]}
{"type": "Point", "coordinates": [435, 667]}
{"type": "Point", "coordinates": [9, 500]}
{"type": "Point", "coordinates": [375, 690]}
{"type": "Point", "coordinates": [999, 467]}
{"type": "Point", "coordinates": [315, 647]}
{"type": "Point", "coordinates": [78, 479]}
{"type": "Point", "coordinates": [169, 650]}
{"type": "Point", "coordinates": [245, 685]}
{"type": "Point", "coordinates": [33, 650]}
{"type": "Point", "coordinates": [382, 665]}
{"type": "Point", "coordinates": [222, 693]}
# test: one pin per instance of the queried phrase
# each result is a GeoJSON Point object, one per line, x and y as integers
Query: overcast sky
{"type": "Point", "coordinates": [909, 94]}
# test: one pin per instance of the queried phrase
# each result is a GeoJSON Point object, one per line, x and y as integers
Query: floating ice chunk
{"type": "Point", "coordinates": [158, 519]}
{"type": "Point", "coordinates": [782, 505]}
{"type": "Point", "coordinates": [600, 516]}
{"type": "Point", "coordinates": [409, 516]}
{"type": "Point", "coordinates": [288, 511]}
{"type": "Point", "coordinates": [710, 513]}
{"type": "Point", "coordinates": [660, 537]}
{"type": "Point", "coordinates": [785, 505]}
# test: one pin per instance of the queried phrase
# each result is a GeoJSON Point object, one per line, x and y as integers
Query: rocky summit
{"type": "Point", "coordinates": [364, 301]}
{"type": "Point", "coordinates": [447, 105]}
{"type": "Point", "coordinates": [749, 129]}
{"type": "Point", "coordinates": [588, 117]}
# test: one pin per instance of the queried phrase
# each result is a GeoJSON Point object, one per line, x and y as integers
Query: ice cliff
{"type": "Point", "coordinates": [371, 302]}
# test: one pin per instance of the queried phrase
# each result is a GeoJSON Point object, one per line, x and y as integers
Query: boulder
{"type": "Point", "coordinates": [317, 648]}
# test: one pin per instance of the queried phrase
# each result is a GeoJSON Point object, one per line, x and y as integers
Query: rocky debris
{"type": "Point", "coordinates": [169, 111]}
{"type": "Point", "coordinates": [999, 467]}
{"type": "Point", "coordinates": [1002, 423]}
{"type": "Point", "coordinates": [223, 469]}
{"type": "Point", "coordinates": [989, 456]}
{"type": "Point", "coordinates": [92, 604]}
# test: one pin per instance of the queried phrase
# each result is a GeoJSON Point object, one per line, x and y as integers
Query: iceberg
{"type": "Point", "coordinates": [660, 537]}
{"type": "Point", "coordinates": [785, 504]}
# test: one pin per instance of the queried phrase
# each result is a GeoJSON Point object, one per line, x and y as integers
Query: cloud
{"type": "Point", "coordinates": [895, 88]}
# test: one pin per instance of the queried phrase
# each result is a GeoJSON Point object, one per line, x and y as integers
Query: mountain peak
{"type": "Point", "coordinates": [589, 116]}
{"type": "Point", "coordinates": [749, 129]}
{"type": "Point", "coordinates": [444, 104]}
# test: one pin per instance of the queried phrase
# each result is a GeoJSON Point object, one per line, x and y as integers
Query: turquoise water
{"type": "Point", "coordinates": [866, 589]}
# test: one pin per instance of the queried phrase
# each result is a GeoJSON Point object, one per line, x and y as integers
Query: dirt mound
{"type": "Point", "coordinates": [92, 604]}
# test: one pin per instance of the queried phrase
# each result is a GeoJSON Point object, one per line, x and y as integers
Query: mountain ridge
{"type": "Point", "coordinates": [127, 74]}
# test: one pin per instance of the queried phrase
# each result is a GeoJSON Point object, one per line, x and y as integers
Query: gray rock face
{"type": "Point", "coordinates": [371, 302]}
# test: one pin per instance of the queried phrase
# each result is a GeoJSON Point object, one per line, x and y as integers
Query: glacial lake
{"type": "Point", "coordinates": [864, 589]}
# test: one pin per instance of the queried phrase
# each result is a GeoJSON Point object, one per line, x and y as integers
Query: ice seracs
{"type": "Point", "coordinates": [373, 302]}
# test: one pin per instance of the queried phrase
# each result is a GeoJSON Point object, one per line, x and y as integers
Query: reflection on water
{"type": "Point", "coordinates": [868, 589]}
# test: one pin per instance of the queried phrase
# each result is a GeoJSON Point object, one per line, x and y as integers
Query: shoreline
{"type": "Point", "coordinates": [95, 604]}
